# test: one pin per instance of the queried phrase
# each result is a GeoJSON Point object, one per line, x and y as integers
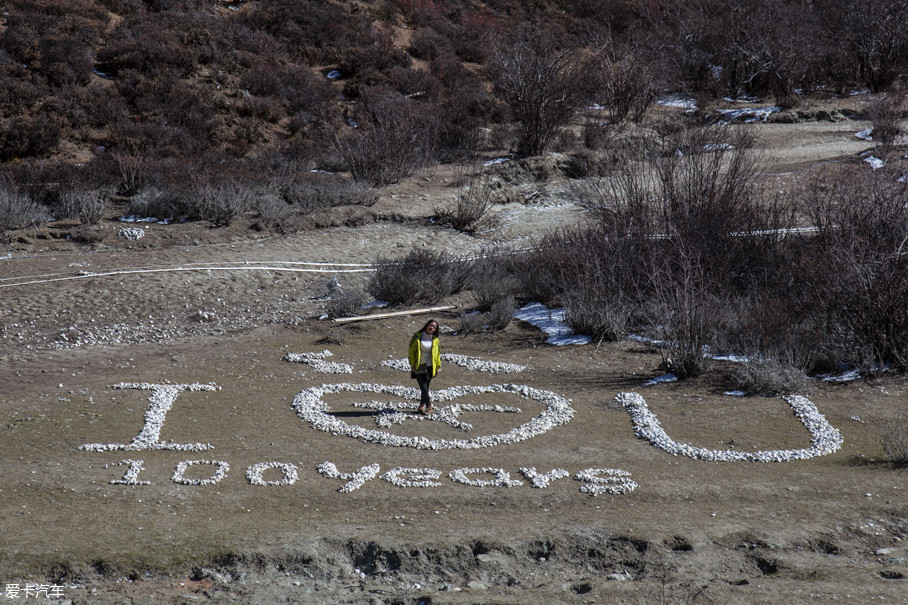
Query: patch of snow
{"type": "Point", "coordinates": [497, 161]}
{"type": "Point", "coordinates": [731, 357]}
{"type": "Point", "coordinates": [755, 114]}
{"type": "Point", "coordinates": [735, 393]}
{"type": "Point", "coordinates": [644, 339]}
{"type": "Point", "coordinates": [677, 101]}
{"type": "Point", "coordinates": [903, 178]}
{"type": "Point", "coordinates": [847, 376]}
{"type": "Point", "coordinates": [375, 304]}
{"type": "Point", "coordinates": [333, 74]}
{"type": "Point", "coordinates": [551, 321]}
{"type": "Point", "coordinates": [865, 134]}
{"type": "Point", "coordinates": [660, 379]}
{"type": "Point", "coordinates": [718, 147]}
{"type": "Point", "coordinates": [875, 163]}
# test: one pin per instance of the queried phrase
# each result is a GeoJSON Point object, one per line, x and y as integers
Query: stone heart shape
{"type": "Point", "coordinates": [311, 407]}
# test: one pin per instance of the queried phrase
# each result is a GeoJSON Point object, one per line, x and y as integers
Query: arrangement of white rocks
{"type": "Point", "coordinates": [318, 363]}
{"type": "Point", "coordinates": [254, 473]}
{"type": "Point", "coordinates": [131, 233]}
{"type": "Point", "coordinates": [389, 413]}
{"type": "Point", "coordinates": [596, 481]}
{"type": "Point", "coordinates": [149, 438]}
{"type": "Point", "coordinates": [471, 363]}
{"type": "Point", "coordinates": [354, 480]}
{"type": "Point", "coordinates": [131, 477]}
{"type": "Point", "coordinates": [825, 438]}
{"type": "Point", "coordinates": [222, 469]}
{"type": "Point", "coordinates": [311, 407]}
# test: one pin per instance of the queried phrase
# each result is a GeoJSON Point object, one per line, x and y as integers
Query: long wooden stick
{"type": "Point", "coordinates": [344, 320]}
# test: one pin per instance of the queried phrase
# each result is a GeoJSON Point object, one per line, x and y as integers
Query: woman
{"type": "Point", "coordinates": [425, 361]}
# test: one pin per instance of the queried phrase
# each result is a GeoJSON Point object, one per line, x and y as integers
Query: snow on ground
{"type": "Point", "coordinates": [677, 101]}
{"type": "Point", "coordinates": [750, 114]}
{"type": "Point", "coordinates": [875, 163]}
{"type": "Point", "coordinates": [551, 321]}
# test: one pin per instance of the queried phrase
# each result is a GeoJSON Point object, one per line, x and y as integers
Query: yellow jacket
{"type": "Point", "coordinates": [415, 352]}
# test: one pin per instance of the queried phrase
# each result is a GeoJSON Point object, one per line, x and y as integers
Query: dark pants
{"type": "Point", "coordinates": [423, 381]}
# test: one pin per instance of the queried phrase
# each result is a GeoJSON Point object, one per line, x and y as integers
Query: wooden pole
{"type": "Point", "coordinates": [344, 320]}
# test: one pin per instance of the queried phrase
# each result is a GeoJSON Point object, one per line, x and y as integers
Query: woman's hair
{"type": "Point", "coordinates": [427, 325]}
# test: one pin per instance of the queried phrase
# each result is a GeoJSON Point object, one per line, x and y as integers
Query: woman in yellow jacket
{"type": "Point", "coordinates": [425, 361]}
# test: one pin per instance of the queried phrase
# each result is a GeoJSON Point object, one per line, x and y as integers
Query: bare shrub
{"type": "Point", "coordinates": [540, 269]}
{"type": "Point", "coordinates": [597, 314]}
{"type": "Point", "coordinates": [344, 300]}
{"type": "Point", "coordinates": [542, 84]}
{"type": "Point", "coordinates": [394, 138]}
{"type": "Point", "coordinates": [599, 274]}
{"type": "Point", "coordinates": [471, 323]}
{"type": "Point", "coordinates": [685, 315]}
{"type": "Point", "coordinates": [17, 210]}
{"type": "Point", "coordinates": [427, 44]}
{"type": "Point", "coordinates": [88, 205]}
{"type": "Point", "coordinates": [778, 323]}
{"type": "Point", "coordinates": [779, 53]}
{"type": "Point", "coordinates": [471, 210]}
{"type": "Point", "coordinates": [858, 268]}
{"type": "Point", "coordinates": [28, 137]}
{"type": "Point", "coordinates": [314, 192]}
{"type": "Point", "coordinates": [502, 313]}
{"type": "Point", "coordinates": [273, 209]}
{"type": "Point", "coordinates": [768, 377]}
{"type": "Point", "coordinates": [224, 202]}
{"type": "Point", "coordinates": [423, 276]}
{"type": "Point", "coordinates": [498, 317]}
{"type": "Point", "coordinates": [885, 113]}
{"type": "Point", "coordinates": [162, 204]}
{"type": "Point", "coordinates": [626, 85]}
{"type": "Point", "coordinates": [895, 441]}
{"type": "Point", "coordinates": [698, 187]}
{"type": "Point", "coordinates": [492, 280]}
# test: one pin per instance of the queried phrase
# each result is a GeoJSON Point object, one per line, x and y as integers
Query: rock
{"type": "Point", "coordinates": [476, 586]}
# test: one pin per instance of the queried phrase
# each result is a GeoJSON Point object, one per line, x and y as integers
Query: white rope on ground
{"type": "Point", "coordinates": [202, 265]}
{"type": "Point", "coordinates": [176, 269]}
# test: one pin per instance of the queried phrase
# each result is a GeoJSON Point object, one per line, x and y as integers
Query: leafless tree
{"type": "Point", "coordinates": [778, 49]}
{"type": "Point", "coordinates": [543, 85]}
{"type": "Point", "coordinates": [872, 38]}
{"type": "Point", "coordinates": [627, 85]}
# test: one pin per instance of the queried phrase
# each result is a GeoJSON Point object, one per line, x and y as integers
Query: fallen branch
{"type": "Point", "coordinates": [343, 320]}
